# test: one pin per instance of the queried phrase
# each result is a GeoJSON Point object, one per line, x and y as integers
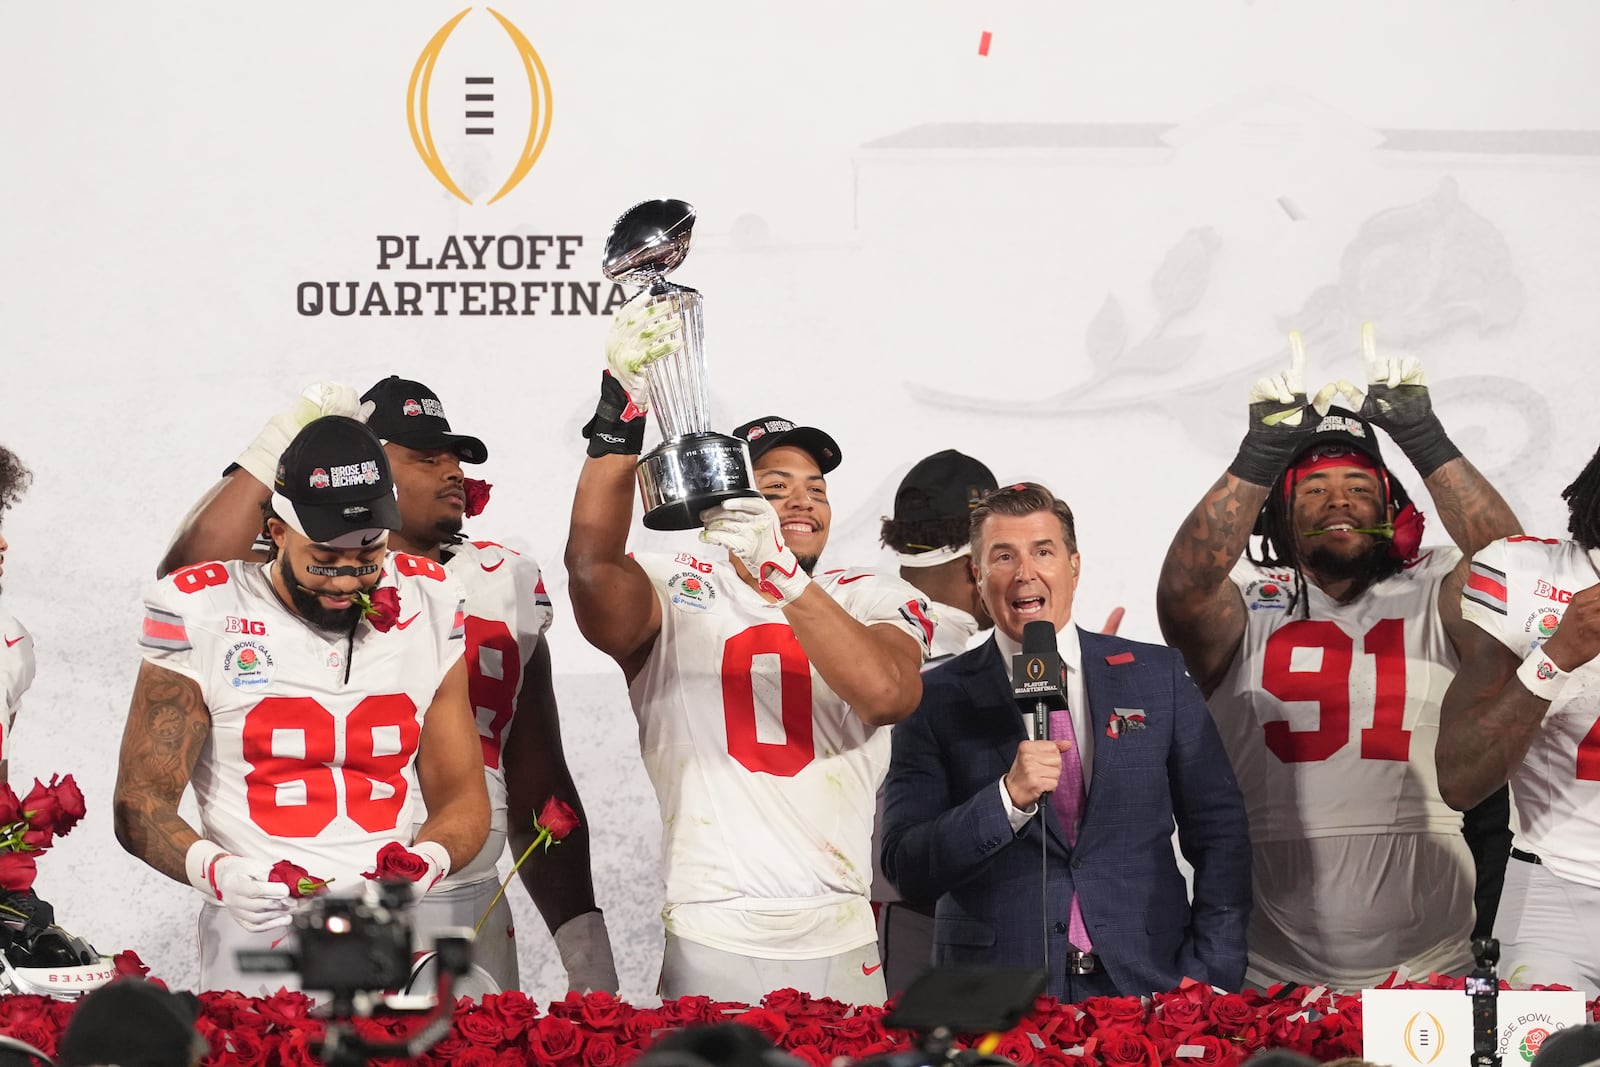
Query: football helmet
{"type": "Point", "coordinates": [41, 957]}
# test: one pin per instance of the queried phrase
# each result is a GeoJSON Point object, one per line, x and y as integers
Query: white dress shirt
{"type": "Point", "coordinates": [1077, 704]}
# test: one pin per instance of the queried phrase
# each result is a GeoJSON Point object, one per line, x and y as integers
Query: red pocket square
{"type": "Point", "coordinates": [1120, 658]}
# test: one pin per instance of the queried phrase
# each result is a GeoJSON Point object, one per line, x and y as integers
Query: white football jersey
{"type": "Point", "coordinates": [312, 751]}
{"type": "Point", "coordinates": [1330, 723]}
{"type": "Point", "coordinates": [507, 614]}
{"type": "Point", "coordinates": [1518, 590]}
{"type": "Point", "coordinates": [765, 777]}
{"type": "Point", "coordinates": [16, 675]}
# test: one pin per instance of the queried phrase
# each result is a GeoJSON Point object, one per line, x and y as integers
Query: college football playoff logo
{"type": "Point", "coordinates": [479, 111]}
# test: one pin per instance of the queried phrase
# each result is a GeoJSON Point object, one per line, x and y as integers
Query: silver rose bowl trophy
{"type": "Point", "coordinates": [694, 468]}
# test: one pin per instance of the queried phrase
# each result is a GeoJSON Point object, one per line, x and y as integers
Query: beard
{"type": "Point", "coordinates": [305, 603]}
{"type": "Point", "coordinates": [807, 563]}
{"type": "Point", "coordinates": [1335, 566]}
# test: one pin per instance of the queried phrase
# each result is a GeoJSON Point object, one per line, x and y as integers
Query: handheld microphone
{"type": "Point", "coordinates": [1037, 676]}
{"type": "Point", "coordinates": [1038, 683]}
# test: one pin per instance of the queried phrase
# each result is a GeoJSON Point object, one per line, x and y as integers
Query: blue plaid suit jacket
{"type": "Point", "coordinates": [946, 837]}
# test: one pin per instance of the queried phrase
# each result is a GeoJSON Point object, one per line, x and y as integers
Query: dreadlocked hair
{"type": "Point", "coordinates": [1583, 505]}
{"type": "Point", "coordinates": [925, 535]}
{"type": "Point", "coordinates": [269, 512]}
{"type": "Point", "coordinates": [14, 478]}
{"type": "Point", "coordinates": [1276, 534]}
{"type": "Point", "coordinates": [1024, 498]}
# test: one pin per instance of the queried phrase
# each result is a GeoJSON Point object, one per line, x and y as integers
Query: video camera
{"type": "Point", "coordinates": [357, 949]}
{"type": "Point", "coordinates": [1483, 986]}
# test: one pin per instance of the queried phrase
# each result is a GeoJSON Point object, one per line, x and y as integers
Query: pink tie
{"type": "Point", "coordinates": [1068, 801]}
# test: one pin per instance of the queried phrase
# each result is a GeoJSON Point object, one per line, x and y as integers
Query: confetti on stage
{"type": "Point", "coordinates": [983, 44]}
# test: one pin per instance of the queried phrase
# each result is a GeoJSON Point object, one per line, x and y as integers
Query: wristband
{"type": "Point", "coordinates": [438, 855]}
{"type": "Point", "coordinates": [198, 864]}
{"type": "Point", "coordinates": [617, 428]}
{"type": "Point", "coordinates": [1541, 676]}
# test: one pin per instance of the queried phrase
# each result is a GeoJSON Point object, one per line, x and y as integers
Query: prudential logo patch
{"type": "Point", "coordinates": [479, 106]}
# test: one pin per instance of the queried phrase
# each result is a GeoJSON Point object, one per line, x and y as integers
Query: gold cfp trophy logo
{"type": "Point", "coordinates": [480, 112]}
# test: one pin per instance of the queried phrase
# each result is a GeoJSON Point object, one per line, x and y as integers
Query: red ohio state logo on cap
{"type": "Point", "coordinates": [319, 479]}
{"type": "Point", "coordinates": [755, 432]}
{"type": "Point", "coordinates": [411, 407]}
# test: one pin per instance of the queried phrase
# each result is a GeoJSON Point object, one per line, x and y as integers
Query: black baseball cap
{"type": "Point", "coordinates": [771, 431]}
{"type": "Point", "coordinates": [334, 485]}
{"type": "Point", "coordinates": [409, 413]}
{"type": "Point", "coordinates": [945, 485]}
{"type": "Point", "coordinates": [134, 1023]}
{"type": "Point", "coordinates": [1340, 428]}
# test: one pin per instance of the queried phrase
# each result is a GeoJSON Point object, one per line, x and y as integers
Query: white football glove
{"type": "Point", "coordinates": [260, 459]}
{"type": "Point", "coordinates": [642, 331]}
{"type": "Point", "coordinates": [747, 526]}
{"type": "Point", "coordinates": [1283, 394]}
{"type": "Point", "coordinates": [242, 885]}
{"type": "Point", "coordinates": [585, 948]}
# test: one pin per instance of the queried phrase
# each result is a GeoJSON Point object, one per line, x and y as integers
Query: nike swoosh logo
{"type": "Point", "coordinates": [847, 581]}
{"type": "Point", "coordinates": [870, 970]}
{"type": "Point", "coordinates": [490, 569]}
{"type": "Point", "coordinates": [408, 622]}
{"type": "Point", "coordinates": [12, 641]}
{"type": "Point", "coordinates": [365, 541]}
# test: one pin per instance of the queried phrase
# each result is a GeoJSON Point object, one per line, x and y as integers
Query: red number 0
{"type": "Point", "coordinates": [1328, 686]}
{"type": "Point", "coordinates": [365, 769]}
{"type": "Point", "coordinates": [1589, 755]}
{"type": "Point", "coordinates": [739, 704]}
{"type": "Point", "coordinates": [493, 699]}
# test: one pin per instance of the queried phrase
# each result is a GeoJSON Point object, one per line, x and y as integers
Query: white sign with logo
{"type": "Point", "coordinates": [1426, 1026]}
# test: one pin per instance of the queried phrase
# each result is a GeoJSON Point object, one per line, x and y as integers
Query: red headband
{"type": "Point", "coordinates": [1326, 458]}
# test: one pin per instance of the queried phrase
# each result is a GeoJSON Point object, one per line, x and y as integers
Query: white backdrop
{"type": "Point", "coordinates": [1068, 257]}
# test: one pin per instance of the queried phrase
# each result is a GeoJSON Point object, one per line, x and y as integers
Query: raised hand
{"type": "Point", "coordinates": [1278, 423]}
{"type": "Point", "coordinates": [642, 331]}
{"type": "Point", "coordinates": [1397, 401]}
{"type": "Point", "coordinates": [748, 528]}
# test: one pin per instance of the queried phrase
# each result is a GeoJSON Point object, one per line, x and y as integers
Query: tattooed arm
{"type": "Point", "coordinates": [1474, 514]}
{"type": "Point", "coordinates": [1201, 611]}
{"type": "Point", "coordinates": [167, 725]}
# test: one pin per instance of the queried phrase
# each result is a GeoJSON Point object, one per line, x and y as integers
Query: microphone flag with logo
{"type": "Point", "coordinates": [1037, 678]}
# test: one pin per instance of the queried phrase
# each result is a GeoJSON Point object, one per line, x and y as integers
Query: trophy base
{"type": "Point", "coordinates": [685, 475]}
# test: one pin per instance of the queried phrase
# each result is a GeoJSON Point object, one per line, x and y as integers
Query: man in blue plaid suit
{"type": "Point", "coordinates": [967, 812]}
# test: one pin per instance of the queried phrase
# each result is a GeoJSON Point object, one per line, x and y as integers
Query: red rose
{"type": "Point", "coordinates": [474, 1056]}
{"type": "Point", "coordinates": [684, 1009]}
{"type": "Point", "coordinates": [554, 1040]}
{"type": "Point", "coordinates": [10, 805]}
{"type": "Point", "coordinates": [1121, 1046]}
{"type": "Point", "coordinates": [787, 1001]}
{"type": "Point", "coordinates": [1176, 1017]}
{"type": "Point", "coordinates": [243, 1048]}
{"type": "Point", "coordinates": [806, 1033]}
{"type": "Point", "coordinates": [1018, 1048]}
{"type": "Point", "coordinates": [448, 1049]}
{"type": "Point", "coordinates": [299, 881]}
{"type": "Point", "coordinates": [1407, 534]}
{"type": "Point", "coordinates": [1218, 1052]}
{"type": "Point", "coordinates": [36, 840]}
{"type": "Point", "coordinates": [643, 1026]}
{"type": "Point", "coordinates": [37, 1033]}
{"type": "Point", "coordinates": [69, 802]}
{"type": "Point", "coordinates": [602, 1011]}
{"type": "Point", "coordinates": [397, 863]}
{"type": "Point", "coordinates": [772, 1025]}
{"type": "Point", "coordinates": [129, 965]}
{"type": "Point", "coordinates": [477, 495]}
{"type": "Point", "coordinates": [382, 608]}
{"type": "Point", "coordinates": [480, 1028]}
{"type": "Point", "coordinates": [41, 808]}
{"type": "Point", "coordinates": [515, 1010]}
{"type": "Point", "coordinates": [511, 1057]}
{"type": "Point", "coordinates": [810, 1055]}
{"type": "Point", "coordinates": [17, 871]}
{"type": "Point", "coordinates": [1115, 1011]}
{"type": "Point", "coordinates": [288, 1009]}
{"type": "Point", "coordinates": [1231, 1014]}
{"type": "Point", "coordinates": [600, 1051]}
{"type": "Point", "coordinates": [557, 819]}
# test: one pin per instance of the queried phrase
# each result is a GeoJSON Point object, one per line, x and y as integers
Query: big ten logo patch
{"type": "Point", "coordinates": [479, 105]}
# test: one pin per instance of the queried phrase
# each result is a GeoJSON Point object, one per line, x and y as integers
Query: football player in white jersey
{"type": "Point", "coordinates": [508, 669]}
{"type": "Point", "coordinates": [1525, 707]}
{"type": "Point", "coordinates": [311, 725]}
{"type": "Point", "coordinates": [16, 656]}
{"type": "Point", "coordinates": [1324, 662]}
{"type": "Point", "coordinates": [758, 691]}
